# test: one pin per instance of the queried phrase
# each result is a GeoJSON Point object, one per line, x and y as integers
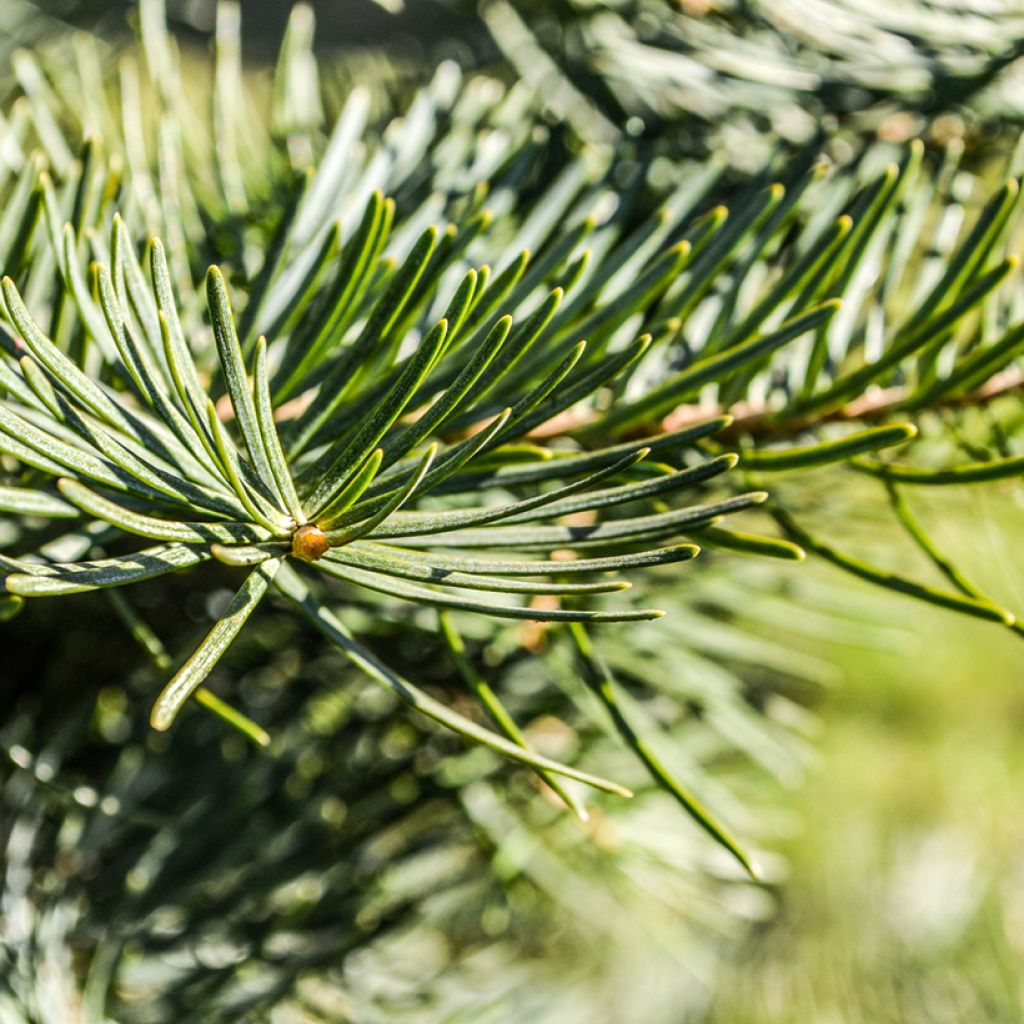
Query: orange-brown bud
{"type": "Point", "coordinates": [309, 543]}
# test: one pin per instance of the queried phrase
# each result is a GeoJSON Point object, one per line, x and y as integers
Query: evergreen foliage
{"type": "Point", "coordinates": [745, 73]}
{"type": "Point", "coordinates": [414, 374]}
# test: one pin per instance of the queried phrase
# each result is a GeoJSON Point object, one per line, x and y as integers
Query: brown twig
{"type": "Point", "coordinates": [749, 419]}
{"type": "Point", "coordinates": [753, 420]}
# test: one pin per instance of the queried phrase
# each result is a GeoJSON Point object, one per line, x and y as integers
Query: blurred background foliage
{"type": "Point", "coordinates": [189, 878]}
{"type": "Point", "coordinates": [904, 895]}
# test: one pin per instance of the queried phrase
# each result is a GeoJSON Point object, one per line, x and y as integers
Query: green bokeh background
{"type": "Point", "coordinates": [904, 900]}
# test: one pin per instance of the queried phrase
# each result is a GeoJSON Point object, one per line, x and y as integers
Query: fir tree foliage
{"type": "Point", "coordinates": [457, 362]}
{"type": "Point", "coordinates": [736, 76]}
{"type": "Point", "coordinates": [436, 382]}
